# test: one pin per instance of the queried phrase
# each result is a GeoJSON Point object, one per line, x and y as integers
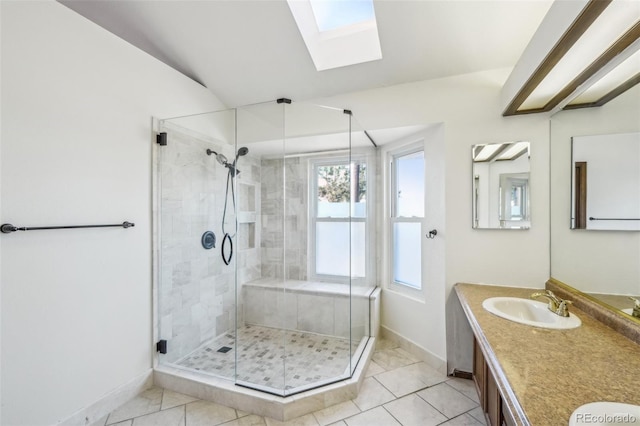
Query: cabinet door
{"type": "Point", "coordinates": [479, 373]}
{"type": "Point", "coordinates": [493, 402]}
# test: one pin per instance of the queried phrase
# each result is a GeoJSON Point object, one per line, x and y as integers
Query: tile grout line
{"type": "Point", "coordinates": [455, 389]}
{"type": "Point", "coordinates": [461, 394]}
{"type": "Point", "coordinates": [396, 398]}
{"type": "Point", "coordinates": [380, 383]}
{"type": "Point", "coordinates": [423, 399]}
{"type": "Point", "coordinates": [431, 405]}
{"type": "Point", "coordinates": [391, 414]}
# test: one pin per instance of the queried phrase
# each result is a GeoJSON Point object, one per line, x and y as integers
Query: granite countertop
{"type": "Point", "coordinates": [545, 374]}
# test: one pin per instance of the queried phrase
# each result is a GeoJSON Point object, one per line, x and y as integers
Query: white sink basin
{"type": "Point", "coordinates": [530, 312]}
{"type": "Point", "coordinates": [606, 413]}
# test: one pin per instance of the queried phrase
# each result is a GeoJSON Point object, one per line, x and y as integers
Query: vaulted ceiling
{"type": "Point", "coordinates": [251, 51]}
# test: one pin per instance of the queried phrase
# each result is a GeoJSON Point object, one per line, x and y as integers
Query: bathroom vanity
{"type": "Point", "coordinates": [495, 407]}
{"type": "Point", "coordinates": [534, 376]}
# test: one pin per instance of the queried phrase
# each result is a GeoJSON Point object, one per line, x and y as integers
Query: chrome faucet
{"type": "Point", "coordinates": [556, 305]}
{"type": "Point", "coordinates": [636, 307]}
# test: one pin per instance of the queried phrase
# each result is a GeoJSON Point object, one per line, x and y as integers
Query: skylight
{"type": "Point", "coordinates": [337, 33]}
{"type": "Point", "coordinates": [333, 14]}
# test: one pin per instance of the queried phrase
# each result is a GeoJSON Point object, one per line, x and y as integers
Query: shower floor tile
{"type": "Point", "coordinates": [273, 358]}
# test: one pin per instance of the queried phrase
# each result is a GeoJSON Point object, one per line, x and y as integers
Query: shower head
{"type": "Point", "coordinates": [232, 167]}
{"type": "Point", "coordinates": [221, 158]}
{"type": "Point", "coordinates": [225, 162]}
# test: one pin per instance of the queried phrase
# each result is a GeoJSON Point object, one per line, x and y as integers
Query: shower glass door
{"type": "Point", "coordinates": [261, 335]}
{"type": "Point", "coordinates": [318, 236]}
{"type": "Point", "coordinates": [196, 303]}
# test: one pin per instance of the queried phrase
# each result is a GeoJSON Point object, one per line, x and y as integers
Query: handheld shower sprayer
{"type": "Point", "coordinates": [242, 151]}
{"type": "Point", "coordinates": [232, 167]}
{"type": "Point", "coordinates": [232, 173]}
{"type": "Point", "coordinates": [222, 159]}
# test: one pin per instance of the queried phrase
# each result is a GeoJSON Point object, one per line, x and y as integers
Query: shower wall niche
{"type": "Point", "coordinates": [259, 308]}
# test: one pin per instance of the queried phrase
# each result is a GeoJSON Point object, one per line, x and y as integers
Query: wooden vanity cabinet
{"type": "Point", "coordinates": [494, 408]}
{"type": "Point", "coordinates": [479, 373]}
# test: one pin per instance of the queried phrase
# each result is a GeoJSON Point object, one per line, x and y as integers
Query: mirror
{"type": "Point", "coordinates": [501, 194]}
{"type": "Point", "coordinates": [606, 182]}
{"type": "Point", "coordinates": [603, 264]}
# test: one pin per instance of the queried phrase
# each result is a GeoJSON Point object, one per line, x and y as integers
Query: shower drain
{"type": "Point", "coordinates": [224, 349]}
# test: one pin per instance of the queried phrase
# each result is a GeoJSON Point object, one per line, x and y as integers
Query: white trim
{"type": "Point", "coordinates": [390, 219]}
{"type": "Point", "coordinates": [110, 401]}
{"type": "Point", "coordinates": [383, 213]}
{"type": "Point", "coordinates": [312, 219]}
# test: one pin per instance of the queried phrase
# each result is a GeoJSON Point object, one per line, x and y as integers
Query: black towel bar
{"type": "Point", "coordinates": [609, 218]}
{"type": "Point", "coordinates": [8, 228]}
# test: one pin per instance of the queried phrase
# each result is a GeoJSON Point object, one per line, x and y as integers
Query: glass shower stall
{"type": "Point", "coordinates": [265, 244]}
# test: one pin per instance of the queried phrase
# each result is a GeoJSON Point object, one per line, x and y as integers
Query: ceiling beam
{"type": "Point", "coordinates": [609, 96]}
{"type": "Point", "coordinates": [587, 16]}
{"type": "Point", "coordinates": [618, 47]}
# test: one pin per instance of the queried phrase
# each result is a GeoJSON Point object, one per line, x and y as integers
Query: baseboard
{"type": "Point", "coordinates": [414, 349]}
{"type": "Point", "coordinates": [110, 401]}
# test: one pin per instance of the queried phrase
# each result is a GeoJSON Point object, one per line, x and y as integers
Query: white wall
{"type": "Point", "coordinates": [613, 178]}
{"type": "Point", "coordinates": [469, 107]}
{"type": "Point", "coordinates": [76, 145]}
{"type": "Point", "coordinates": [592, 261]}
{"type": "Point", "coordinates": [405, 312]}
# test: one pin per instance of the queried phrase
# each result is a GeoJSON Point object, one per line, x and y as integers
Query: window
{"type": "Point", "coordinates": [407, 214]}
{"type": "Point", "coordinates": [337, 33]}
{"type": "Point", "coordinates": [330, 15]}
{"type": "Point", "coordinates": [337, 223]}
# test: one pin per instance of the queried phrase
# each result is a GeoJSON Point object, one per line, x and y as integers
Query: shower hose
{"type": "Point", "coordinates": [227, 238]}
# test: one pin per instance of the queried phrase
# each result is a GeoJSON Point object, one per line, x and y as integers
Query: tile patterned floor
{"type": "Point", "coordinates": [398, 390]}
{"type": "Point", "coordinates": [261, 357]}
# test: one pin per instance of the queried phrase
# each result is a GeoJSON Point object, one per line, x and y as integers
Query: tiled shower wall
{"type": "Point", "coordinates": [312, 308]}
{"type": "Point", "coordinates": [285, 255]}
{"type": "Point", "coordinates": [326, 312]}
{"type": "Point", "coordinates": [294, 264]}
{"type": "Point", "coordinates": [196, 289]}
